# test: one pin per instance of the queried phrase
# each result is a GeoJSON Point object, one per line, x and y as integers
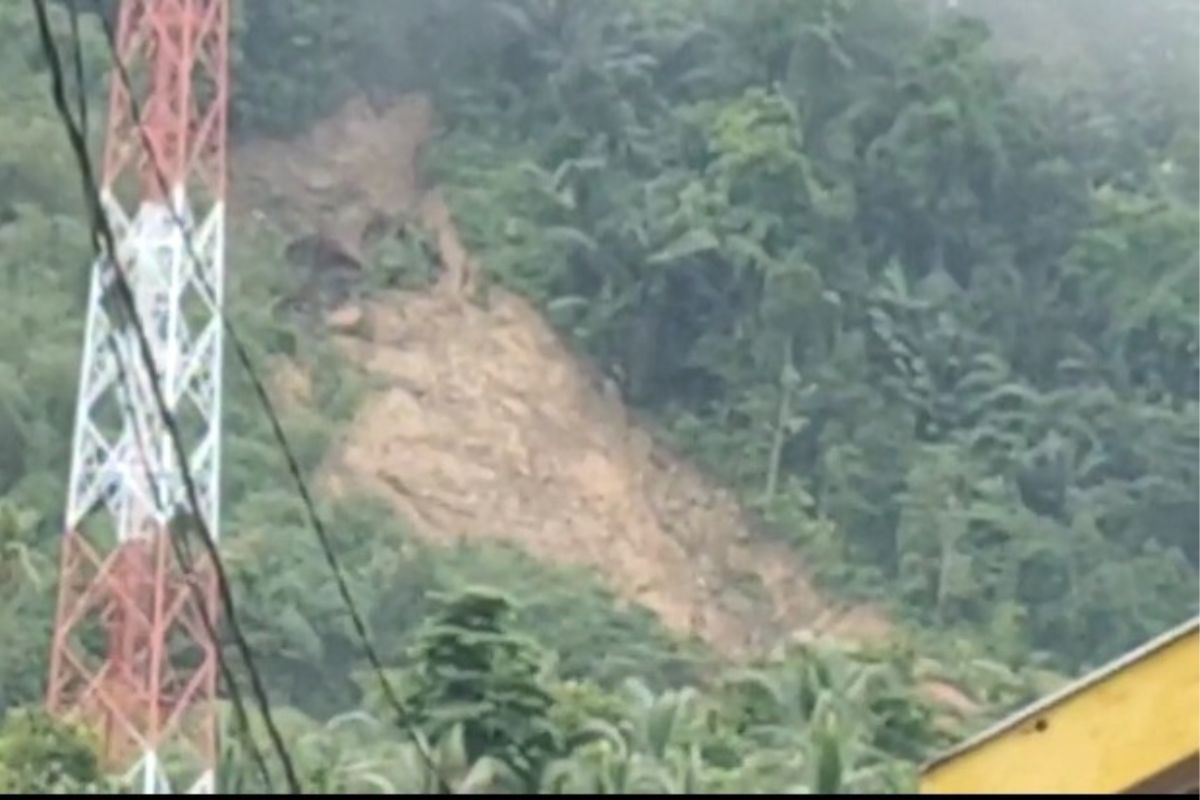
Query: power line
{"type": "Point", "coordinates": [77, 58]}
{"type": "Point", "coordinates": [281, 439]}
{"type": "Point", "coordinates": [110, 339]}
{"type": "Point", "coordinates": [100, 227]}
{"type": "Point", "coordinates": [99, 222]}
{"type": "Point", "coordinates": [179, 544]}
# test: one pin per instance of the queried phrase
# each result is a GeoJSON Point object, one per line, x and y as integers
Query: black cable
{"type": "Point", "coordinates": [182, 548]}
{"type": "Point", "coordinates": [99, 223]}
{"type": "Point", "coordinates": [101, 227]}
{"type": "Point", "coordinates": [268, 408]}
{"type": "Point", "coordinates": [110, 340]}
{"type": "Point", "coordinates": [77, 57]}
{"type": "Point", "coordinates": [179, 544]}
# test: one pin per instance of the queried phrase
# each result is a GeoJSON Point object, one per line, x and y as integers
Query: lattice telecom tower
{"type": "Point", "coordinates": [132, 656]}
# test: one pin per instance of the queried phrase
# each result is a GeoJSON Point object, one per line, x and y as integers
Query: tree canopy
{"type": "Point", "coordinates": [927, 305]}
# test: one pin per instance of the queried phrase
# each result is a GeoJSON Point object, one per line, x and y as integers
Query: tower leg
{"type": "Point", "coordinates": [132, 662]}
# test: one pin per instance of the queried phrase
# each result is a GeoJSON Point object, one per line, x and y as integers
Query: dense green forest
{"type": "Point", "coordinates": [928, 304]}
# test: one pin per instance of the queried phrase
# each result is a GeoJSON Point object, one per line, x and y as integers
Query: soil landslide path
{"type": "Point", "coordinates": [484, 425]}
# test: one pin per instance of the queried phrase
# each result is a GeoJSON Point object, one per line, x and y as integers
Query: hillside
{"type": "Point", "coordinates": [699, 396]}
{"type": "Point", "coordinates": [481, 423]}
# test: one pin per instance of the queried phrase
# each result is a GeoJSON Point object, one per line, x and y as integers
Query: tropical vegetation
{"type": "Point", "coordinates": [927, 305]}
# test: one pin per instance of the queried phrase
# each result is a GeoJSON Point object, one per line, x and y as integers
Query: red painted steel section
{"type": "Point", "coordinates": [131, 657]}
{"type": "Point", "coordinates": [176, 53]}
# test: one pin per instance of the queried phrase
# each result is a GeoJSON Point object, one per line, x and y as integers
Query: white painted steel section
{"type": "Point", "coordinates": [130, 469]}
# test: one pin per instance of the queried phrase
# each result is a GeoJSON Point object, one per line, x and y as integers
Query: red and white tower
{"type": "Point", "coordinates": [132, 655]}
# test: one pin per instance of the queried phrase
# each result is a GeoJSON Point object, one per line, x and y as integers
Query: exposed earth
{"type": "Point", "coordinates": [482, 424]}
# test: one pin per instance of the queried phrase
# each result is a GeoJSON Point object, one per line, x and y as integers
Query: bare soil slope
{"type": "Point", "coordinates": [343, 174]}
{"type": "Point", "coordinates": [484, 425]}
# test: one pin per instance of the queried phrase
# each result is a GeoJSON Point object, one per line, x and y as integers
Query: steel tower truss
{"type": "Point", "coordinates": [132, 656]}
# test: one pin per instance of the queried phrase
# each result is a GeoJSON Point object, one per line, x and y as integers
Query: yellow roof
{"type": "Point", "coordinates": [1132, 725]}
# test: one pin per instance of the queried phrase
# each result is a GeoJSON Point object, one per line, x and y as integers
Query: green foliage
{"type": "Point", "coordinates": [27, 595]}
{"type": "Point", "coordinates": [932, 313]}
{"type": "Point", "coordinates": [303, 56]}
{"type": "Point", "coordinates": [41, 756]}
{"type": "Point", "coordinates": [475, 680]}
{"type": "Point", "coordinates": [405, 260]}
{"type": "Point", "coordinates": [594, 636]}
{"type": "Point", "coordinates": [491, 715]}
{"type": "Point", "coordinates": [942, 336]}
